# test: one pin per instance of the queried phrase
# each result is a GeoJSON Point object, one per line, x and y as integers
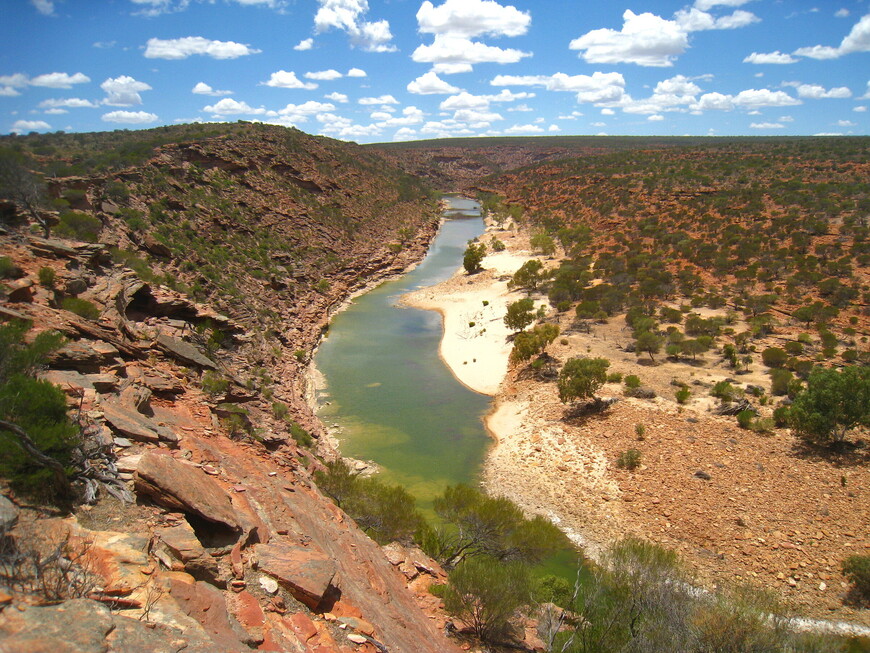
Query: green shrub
{"type": "Point", "coordinates": [81, 307]}
{"type": "Point", "coordinates": [487, 595]}
{"type": "Point", "coordinates": [37, 407]}
{"type": "Point", "coordinates": [300, 435]}
{"type": "Point", "coordinates": [81, 226]}
{"type": "Point", "coordinates": [779, 380]}
{"type": "Point", "coordinates": [774, 357]}
{"type": "Point", "coordinates": [213, 383]}
{"type": "Point", "coordinates": [47, 277]}
{"type": "Point", "coordinates": [496, 244]}
{"type": "Point", "coordinates": [794, 348]}
{"type": "Point", "coordinates": [632, 381]}
{"type": "Point", "coordinates": [8, 269]}
{"type": "Point", "coordinates": [745, 418]}
{"type": "Point", "coordinates": [629, 459]}
{"type": "Point", "coordinates": [857, 569]}
{"type": "Point", "coordinates": [640, 432]}
{"type": "Point", "coordinates": [682, 395]}
{"type": "Point", "coordinates": [280, 410]}
{"type": "Point", "coordinates": [614, 377]}
{"type": "Point", "coordinates": [725, 391]}
{"type": "Point", "coordinates": [780, 416]}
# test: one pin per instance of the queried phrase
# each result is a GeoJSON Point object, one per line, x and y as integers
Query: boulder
{"type": "Point", "coordinates": [129, 423]}
{"type": "Point", "coordinates": [8, 514]}
{"type": "Point", "coordinates": [207, 605]}
{"type": "Point", "coordinates": [306, 571]}
{"type": "Point", "coordinates": [83, 355]}
{"type": "Point", "coordinates": [20, 290]}
{"type": "Point", "coordinates": [180, 486]}
{"type": "Point", "coordinates": [184, 352]}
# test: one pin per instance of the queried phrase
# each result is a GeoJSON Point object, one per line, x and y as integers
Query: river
{"type": "Point", "coordinates": [394, 400]}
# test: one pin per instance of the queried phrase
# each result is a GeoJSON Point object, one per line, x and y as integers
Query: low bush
{"type": "Point", "coordinates": [857, 569]}
{"type": "Point", "coordinates": [81, 307]}
{"type": "Point", "coordinates": [632, 381]}
{"type": "Point", "coordinates": [629, 459]}
{"type": "Point", "coordinates": [81, 226]}
{"type": "Point", "coordinates": [682, 395]}
{"type": "Point", "coordinates": [47, 277]}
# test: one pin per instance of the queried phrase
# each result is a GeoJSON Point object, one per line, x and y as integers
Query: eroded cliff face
{"type": "Point", "coordinates": [242, 244]}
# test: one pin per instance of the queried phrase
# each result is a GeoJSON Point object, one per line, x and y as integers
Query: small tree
{"type": "Point", "coordinates": [832, 404]}
{"type": "Point", "coordinates": [20, 185]}
{"type": "Point", "coordinates": [528, 276]}
{"type": "Point", "coordinates": [857, 569]}
{"type": "Point", "coordinates": [473, 258]}
{"type": "Point", "coordinates": [487, 594]}
{"type": "Point", "coordinates": [648, 342]}
{"type": "Point", "coordinates": [530, 343]}
{"type": "Point", "coordinates": [520, 314]}
{"type": "Point", "coordinates": [581, 378]}
{"type": "Point", "coordinates": [543, 243]}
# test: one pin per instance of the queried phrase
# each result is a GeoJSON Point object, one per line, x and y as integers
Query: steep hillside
{"type": "Point", "coordinates": [191, 287]}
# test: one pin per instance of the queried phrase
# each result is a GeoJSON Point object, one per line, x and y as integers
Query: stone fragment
{"type": "Point", "coordinates": [306, 571]}
{"type": "Point", "coordinates": [20, 290]}
{"type": "Point", "coordinates": [206, 604]}
{"type": "Point", "coordinates": [269, 584]}
{"type": "Point", "coordinates": [184, 352]}
{"type": "Point", "coordinates": [186, 488]}
{"type": "Point", "coordinates": [129, 423]}
{"type": "Point", "coordinates": [8, 514]}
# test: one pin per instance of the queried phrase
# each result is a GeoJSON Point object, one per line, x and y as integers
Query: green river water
{"type": "Point", "coordinates": [396, 402]}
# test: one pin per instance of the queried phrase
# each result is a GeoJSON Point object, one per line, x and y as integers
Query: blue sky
{"type": "Point", "coordinates": [384, 70]}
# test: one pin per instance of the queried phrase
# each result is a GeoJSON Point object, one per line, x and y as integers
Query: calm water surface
{"type": "Point", "coordinates": [395, 400]}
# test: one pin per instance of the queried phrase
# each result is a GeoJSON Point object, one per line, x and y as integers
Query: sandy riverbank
{"type": "Point", "coordinates": [475, 344]}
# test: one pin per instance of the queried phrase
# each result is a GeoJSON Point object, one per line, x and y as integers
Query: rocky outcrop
{"type": "Point", "coordinates": [183, 487]}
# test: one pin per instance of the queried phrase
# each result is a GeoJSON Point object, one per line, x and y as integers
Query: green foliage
{"type": "Point", "coordinates": [725, 391]}
{"type": "Point", "coordinates": [581, 378]}
{"type": "Point", "coordinates": [386, 512]}
{"type": "Point", "coordinates": [528, 276]}
{"type": "Point", "coordinates": [530, 343]}
{"type": "Point", "coordinates": [80, 226]}
{"type": "Point", "coordinates": [8, 269]}
{"type": "Point", "coordinates": [648, 342]}
{"type": "Point", "coordinates": [496, 244]}
{"type": "Point", "coordinates": [47, 277]}
{"type": "Point", "coordinates": [614, 377]}
{"type": "Point", "coordinates": [280, 410]}
{"type": "Point", "coordinates": [779, 380]}
{"type": "Point", "coordinates": [629, 459]}
{"type": "Point", "coordinates": [774, 357]}
{"type": "Point", "coordinates": [213, 383]}
{"type": "Point", "coordinates": [300, 435]}
{"type": "Point", "coordinates": [832, 404]}
{"type": "Point", "coordinates": [745, 418]}
{"type": "Point", "coordinates": [478, 525]}
{"type": "Point", "coordinates": [36, 406]}
{"type": "Point", "coordinates": [682, 395]}
{"type": "Point", "coordinates": [487, 594]}
{"type": "Point", "coordinates": [81, 307]}
{"type": "Point", "coordinates": [632, 381]}
{"type": "Point", "coordinates": [856, 568]}
{"type": "Point", "coordinates": [543, 243]}
{"type": "Point", "coordinates": [472, 260]}
{"type": "Point", "coordinates": [520, 314]}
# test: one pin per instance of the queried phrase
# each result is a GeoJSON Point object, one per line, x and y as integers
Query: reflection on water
{"type": "Point", "coordinates": [394, 399]}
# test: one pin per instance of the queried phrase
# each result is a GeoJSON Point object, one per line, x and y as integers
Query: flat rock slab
{"type": "Point", "coordinates": [207, 605]}
{"type": "Point", "coordinates": [306, 571]}
{"type": "Point", "coordinates": [78, 381]}
{"type": "Point", "coordinates": [85, 626]}
{"type": "Point", "coordinates": [129, 423]}
{"type": "Point", "coordinates": [184, 351]}
{"type": "Point", "coordinates": [183, 487]}
{"type": "Point", "coordinates": [8, 513]}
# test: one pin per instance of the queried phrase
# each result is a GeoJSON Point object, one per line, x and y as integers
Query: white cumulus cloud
{"type": "Point", "coordinates": [192, 45]}
{"type": "Point", "coordinates": [695, 20]}
{"type": "Point", "coordinates": [336, 97]}
{"type": "Point", "coordinates": [460, 51]}
{"type": "Point", "coordinates": [818, 92]}
{"type": "Point", "coordinates": [45, 7]}
{"type": "Point", "coordinates": [231, 107]}
{"type": "Point", "coordinates": [430, 84]}
{"type": "Point", "coordinates": [130, 117]}
{"type": "Point", "coordinates": [381, 99]}
{"type": "Point", "coordinates": [22, 126]}
{"type": "Point", "coordinates": [59, 80]}
{"type": "Point", "coordinates": [71, 103]}
{"type": "Point", "coordinates": [598, 87]}
{"type": "Point", "coordinates": [523, 129]}
{"type": "Point", "coordinates": [288, 79]}
{"type": "Point", "coordinates": [304, 44]}
{"type": "Point", "coordinates": [324, 75]}
{"type": "Point", "coordinates": [766, 125]}
{"type": "Point", "coordinates": [349, 17]}
{"type": "Point", "coordinates": [356, 72]}
{"type": "Point", "coordinates": [775, 57]}
{"type": "Point", "coordinates": [470, 18]}
{"type": "Point", "coordinates": [857, 40]}
{"type": "Point", "coordinates": [202, 88]}
{"type": "Point", "coordinates": [123, 91]}
{"type": "Point", "coordinates": [645, 39]}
